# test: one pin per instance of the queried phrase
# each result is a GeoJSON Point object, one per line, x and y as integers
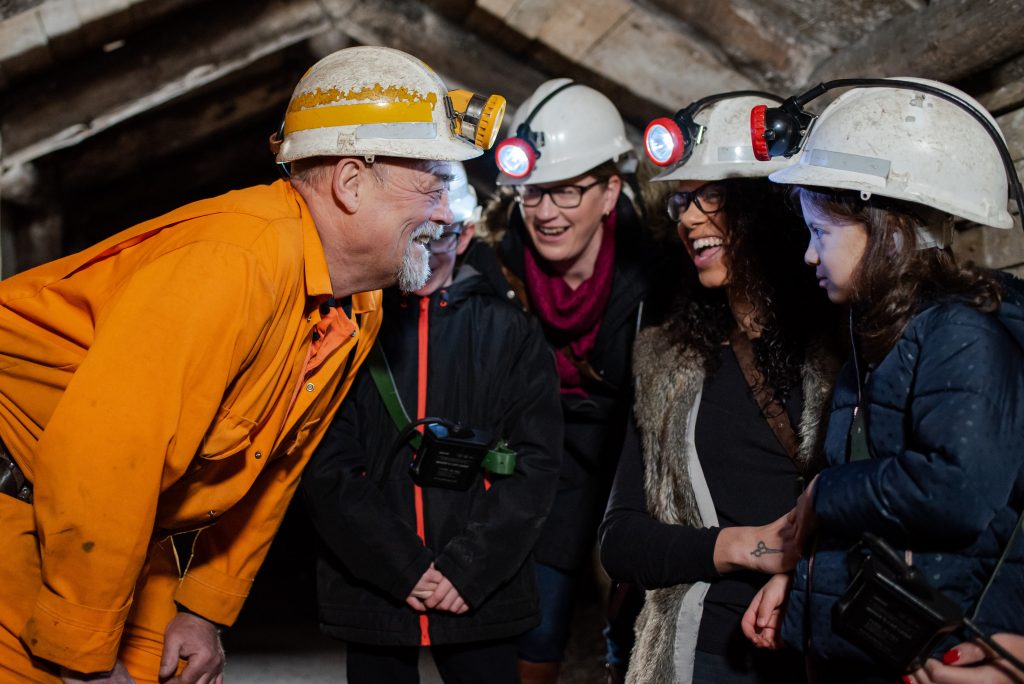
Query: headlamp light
{"type": "Point", "coordinates": [781, 130]}
{"type": "Point", "coordinates": [663, 142]}
{"type": "Point", "coordinates": [477, 117]}
{"type": "Point", "coordinates": [670, 141]}
{"type": "Point", "coordinates": [778, 131]}
{"type": "Point", "coordinates": [515, 157]}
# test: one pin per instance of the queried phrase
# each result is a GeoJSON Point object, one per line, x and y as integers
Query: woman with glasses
{"type": "Point", "coordinates": [572, 245]}
{"type": "Point", "coordinates": [725, 427]}
{"type": "Point", "coordinates": [408, 562]}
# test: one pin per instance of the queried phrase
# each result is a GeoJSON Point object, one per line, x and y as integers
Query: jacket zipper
{"type": "Point", "coordinates": [421, 412]}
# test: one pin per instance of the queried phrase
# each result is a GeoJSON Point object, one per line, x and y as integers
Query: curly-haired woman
{"type": "Point", "coordinates": [729, 395]}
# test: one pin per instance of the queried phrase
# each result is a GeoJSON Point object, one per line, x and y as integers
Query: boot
{"type": "Point", "coordinates": [538, 673]}
{"type": "Point", "coordinates": [614, 674]}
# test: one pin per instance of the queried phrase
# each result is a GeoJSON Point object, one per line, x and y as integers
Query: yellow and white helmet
{"type": "Point", "coordinates": [368, 101]}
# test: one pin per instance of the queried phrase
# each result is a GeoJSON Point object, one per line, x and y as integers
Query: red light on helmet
{"type": "Point", "coordinates": [663, 142]}
{"type": "Point", "coordinates": [757, 130]}
{"type": "Point", "coordinates": [515, 157]}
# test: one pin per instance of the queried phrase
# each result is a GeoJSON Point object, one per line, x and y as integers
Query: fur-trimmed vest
{"type": "Point", "coordinates": [669, 380]}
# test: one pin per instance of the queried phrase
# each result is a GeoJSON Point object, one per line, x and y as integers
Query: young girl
{"type": "Point", "coordinates": [706, 467]}
{"type": "Point", "coordinates": [924, 438]}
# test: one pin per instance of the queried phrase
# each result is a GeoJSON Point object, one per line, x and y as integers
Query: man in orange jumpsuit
{"type": "Point", "coordinates": [178, 376]}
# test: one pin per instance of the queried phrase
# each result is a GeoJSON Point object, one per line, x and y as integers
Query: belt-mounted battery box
{"type": "Point", "coordinates": [449, 456]}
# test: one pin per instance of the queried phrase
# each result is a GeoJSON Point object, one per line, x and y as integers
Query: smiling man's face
{"type": "Point", "coordinates": [410, 208]}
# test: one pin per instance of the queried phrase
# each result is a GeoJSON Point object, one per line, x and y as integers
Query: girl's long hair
{"type": "Point", "coordinates": [765, 243]}
{"type": "Point", "coordinates": [895, 279]}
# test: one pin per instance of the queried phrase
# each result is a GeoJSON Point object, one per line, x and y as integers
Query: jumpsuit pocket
{"type": "Point", "coordinates": [229, 434]}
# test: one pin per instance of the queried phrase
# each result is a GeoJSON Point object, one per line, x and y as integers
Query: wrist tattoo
{"type": "Point", "coordinates": [762, 549]}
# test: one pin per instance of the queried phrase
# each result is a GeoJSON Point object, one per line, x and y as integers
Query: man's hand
{"type": "Point", "coordinates": [424, 589]}
{"type": "Point", "coordinates": [973, 662]}
{"type": "Point", "coordinates": [119, 675]}
{"type": "Point", "coordinates": [191, 638]}
{"type": "Point", "coordinates": [761, 622]}
{"type": "Point", "coordinates": [446, 597]}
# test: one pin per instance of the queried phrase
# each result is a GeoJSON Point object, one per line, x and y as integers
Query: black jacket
{"type": "Point", "coordinates": [945, 423]}
{"type": "Point", "coordinates": [489, 369]}
{"type": "Point", "coordinates": [642, 285]}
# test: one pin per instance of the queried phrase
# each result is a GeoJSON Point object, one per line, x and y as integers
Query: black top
{"type": "Point", "coordinates": [751, 481]}
{"type": "Point", "coordinates": [487, 367]}
{"type": "Point", "coordinates": [642, 284]}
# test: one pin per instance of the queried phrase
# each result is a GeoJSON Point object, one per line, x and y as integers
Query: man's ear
{"type": "Point", "coordinates": [468, 229]}
{"type": "Point", "coordinates": [350, 182]}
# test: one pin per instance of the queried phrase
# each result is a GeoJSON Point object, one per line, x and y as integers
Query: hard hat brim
{"type": "Point", "coordinates": [715, 172]}
{"type": "Point", "coordinates": [824, 177]}
{"type": "Point", "coordinates": [302, 147]}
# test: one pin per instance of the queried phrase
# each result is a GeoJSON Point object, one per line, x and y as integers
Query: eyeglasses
{"type": "Point", "coordinates": [709, 198]}
{"type": "Point", "coordinates": [563, 196]}
{"type": "Point", "coordinates": [447, 242]}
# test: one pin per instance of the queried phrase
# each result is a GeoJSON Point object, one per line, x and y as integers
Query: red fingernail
{"type": "Point", "coordinates": [907, 680]}
{"type": "Point", "coordinates": [951, 656]}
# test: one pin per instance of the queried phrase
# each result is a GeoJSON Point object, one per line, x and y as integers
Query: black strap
{"type": "Point", "coordinates": [500, 459]}
{"type": "Point", "coordinates": [771, 408]}
{"type": "Point", "coordinates": [385, 382]}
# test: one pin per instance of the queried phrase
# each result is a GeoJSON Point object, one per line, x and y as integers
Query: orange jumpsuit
{"type": "Point", "coordinates": [176, 375]}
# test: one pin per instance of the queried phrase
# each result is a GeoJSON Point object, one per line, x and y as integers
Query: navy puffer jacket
{"type": "Point", "coordinates": [945, 425]}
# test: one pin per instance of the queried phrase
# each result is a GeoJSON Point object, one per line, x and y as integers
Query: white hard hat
{"type": "Point", "coordinates": [368, 101]}
{"type": "Point", "coordinates": [462, 196]}
{"type": "Point", "coordinates": [576, 130]}
{"type": "Point", "coordinates": [723, 148]}
{"type": "Point", "coordinates": [907, 145]}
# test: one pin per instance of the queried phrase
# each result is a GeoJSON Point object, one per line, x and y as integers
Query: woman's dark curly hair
{"type": "Point", "coordinates": [765, 243]}
{"type": "Point", "coordinates": [895, 279]}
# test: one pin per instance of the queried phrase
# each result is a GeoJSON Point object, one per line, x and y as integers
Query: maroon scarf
{"type": "Point", "coordinates": [572, 317]}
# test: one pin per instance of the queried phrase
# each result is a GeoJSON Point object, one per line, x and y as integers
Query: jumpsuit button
{"type": "Point", "coordinates": [310, 387]}
{"type": "Point", "coordinates": [258, 454]}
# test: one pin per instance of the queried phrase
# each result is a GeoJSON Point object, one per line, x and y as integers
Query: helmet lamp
{"type": "Point", "coordinates": [664, 142]}
{"type": "Point", "coordinates": [515, 157]}
{"type": "Point", "coordinates": [477, 117]}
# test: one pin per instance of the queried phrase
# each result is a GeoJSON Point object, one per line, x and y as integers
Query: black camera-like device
{"type": "Point", "coordinates": [891, 612]}
{"type": "Point", "coordinates": [450, 456]}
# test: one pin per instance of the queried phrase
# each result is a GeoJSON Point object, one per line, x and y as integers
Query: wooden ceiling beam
{"type": "Point", "coordinates": [154, 67]}
{"type": "Point", "coordinates": [47, 33]}
{"type": "Point", "coordinates": [946, 41]}
{"type": "Point", "coordinates": [463, 58]}
{"type": "Point", "coordinates": [761, 40]}
{"type": "Point", "coordinates": [1003, 86]}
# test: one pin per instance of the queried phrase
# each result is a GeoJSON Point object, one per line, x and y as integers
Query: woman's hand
{"type": "Point", "coordinates": [802, 520]}
{"type": "Point", "coordinates": [763, 618]}
{"type": "Point", "coordinates": [973, 662]}
{"type": "Point", "coordinates": [768, 548]}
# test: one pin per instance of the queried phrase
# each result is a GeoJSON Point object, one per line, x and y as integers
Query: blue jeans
{"type": "Point", "coordinates": [546, 642]}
